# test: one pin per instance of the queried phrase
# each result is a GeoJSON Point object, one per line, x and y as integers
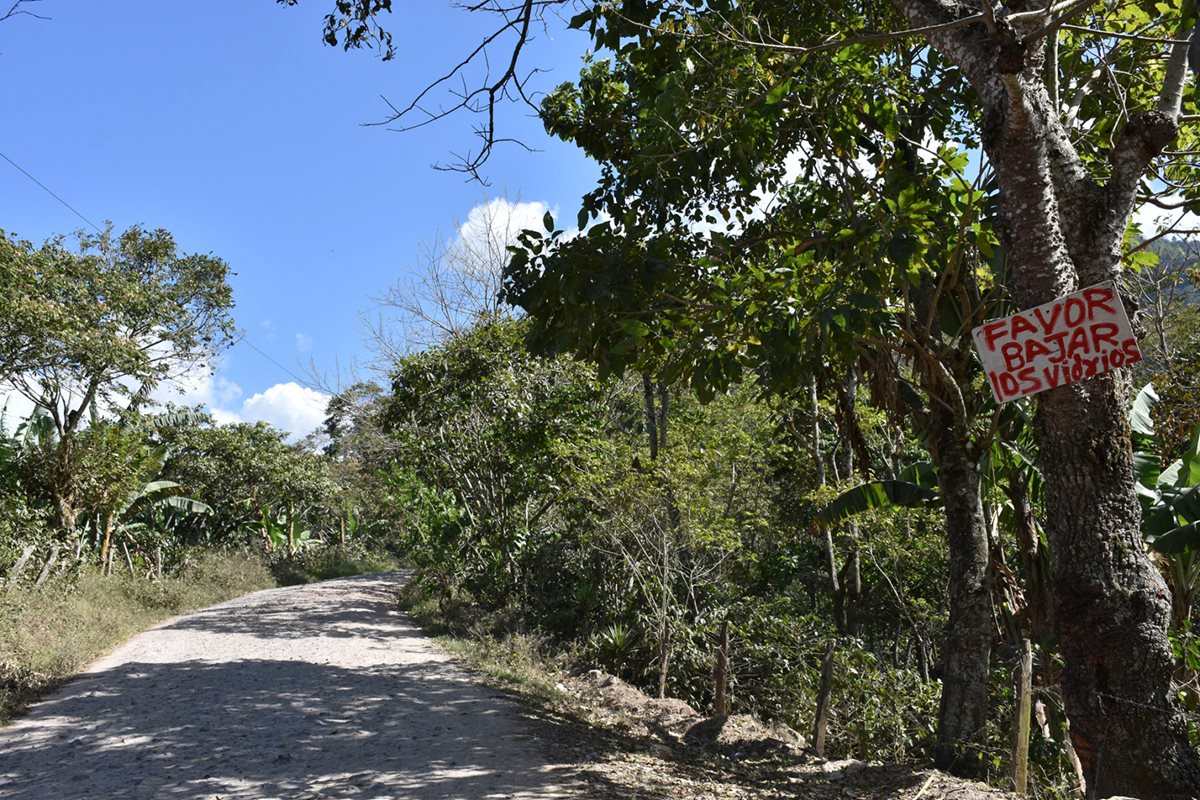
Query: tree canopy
{"type": "Point", "coordinates": [110, 321]}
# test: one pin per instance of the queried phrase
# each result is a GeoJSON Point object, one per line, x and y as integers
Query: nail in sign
{"type": "Point", "coordinates": [1070, 339]}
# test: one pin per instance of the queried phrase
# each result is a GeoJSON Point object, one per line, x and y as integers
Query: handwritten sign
{"type": "Point", "coordinates": [1070, 339]}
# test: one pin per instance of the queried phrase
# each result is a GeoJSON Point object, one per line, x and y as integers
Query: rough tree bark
{"type": "Point", "coordinates": [1062, 228]}
{"type": "Point", "coordinates": [945, 367]}
{"type": "Point", "coordinates": [967, 654]}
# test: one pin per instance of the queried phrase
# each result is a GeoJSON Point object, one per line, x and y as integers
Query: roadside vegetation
{"type": "Point", "coordinates": [115, 514]}
{"type": "Point", "coordinates": [49, 633]}
{"type": "Point", "coordinates": [727, 438]}
{"type": "Point", "coordinates": [727, 547]}
{"type": "Point", "coordinates": [562, 518]}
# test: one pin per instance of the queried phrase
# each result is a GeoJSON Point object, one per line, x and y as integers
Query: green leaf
{"type": "Point", "coordinates": [1146, 469]}
{"type": "Point", "coordinates": [1171, 475]}
{"type": "Point", "coordinates": [1178, 540]}
{"type": "Point", "coordinates": [875, 495]}
{"type": "Point", "coordinates": [1140, 420]}
{"type": "Point", "coordinates": [188, 505]}
{"type": "Point", "coordinates": [634, 328]}
{"type": "Point", "coordinates": [778, 92]}
{"type": "Point", "coordinates": [1172, 510]}
{"type": "Point", "coordinates": [922, 474]}
{"type": "Point", "coordinates": [1190, 472]}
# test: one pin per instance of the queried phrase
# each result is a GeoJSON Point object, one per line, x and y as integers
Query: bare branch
{"type": "Point", "coordinates": [15, 11]}
{"type": "Point", "coordinates": [457, 283]}
{"type": "Point", "coordinates": [1118, 35]}
{"type": "Point", "coordinates": [516, 20]}
{"type": "Point", "coordinates": [1058, 21]}
{"type": "Point", "coordinates": [866, 37]}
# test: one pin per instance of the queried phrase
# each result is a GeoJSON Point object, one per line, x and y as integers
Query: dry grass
{"type": "Point", "coordinates": [525, 662]}
{"type": "Point", "coordinates": [49, 634]}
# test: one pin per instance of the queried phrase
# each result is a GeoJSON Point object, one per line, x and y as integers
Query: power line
{"type": "Point", "coordinates": [303, 382]}
{"type": "Point", "coordinates": [249, 344]}
{"type": "Point", "coordinates": [52, 194]}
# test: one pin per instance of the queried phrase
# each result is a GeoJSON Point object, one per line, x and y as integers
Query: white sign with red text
{"type": "Point", "coordinates": [1069, 339]}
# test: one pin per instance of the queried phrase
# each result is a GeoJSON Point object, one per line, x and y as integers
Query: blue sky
{"type": "Point", "coordinates": [230, 124]}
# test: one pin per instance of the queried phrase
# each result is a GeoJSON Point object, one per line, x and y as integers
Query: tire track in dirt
{"type": "Point", "coordinates": [318, 691]}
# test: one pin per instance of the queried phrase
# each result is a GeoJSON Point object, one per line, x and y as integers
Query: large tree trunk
{"type": "Point", "coordinates": [1112, 605]}
{"type": "Point", "coordinates": [66, 515]}
{"type": "Point", "coordinates": [970, 630]}
{"type": "Point", "coordinates": [966, 658]}
{"type": "Point", "coordinates": [1062, 228]}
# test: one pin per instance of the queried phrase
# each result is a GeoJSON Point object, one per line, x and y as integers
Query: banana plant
{"type": "Point", "coordinates": [1171, 496]}
{"type": "Point", "coordinates": [36, 431]}
{"type": "Point", "coordinates": [281, 531]}
{"type": "Point", "coordinates": [1170, 504]}
{"type": "Point", "coordinates": [915, 487]}
{"type": "Point", "coordinates": [121, 516]}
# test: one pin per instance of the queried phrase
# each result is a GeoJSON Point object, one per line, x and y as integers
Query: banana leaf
{"type": "Point", "coordinates": [1183, 538]}
{"type": "Point", "coordinates": [1140, 421]}
{"type": "Point", "coordinates": [876, 495]}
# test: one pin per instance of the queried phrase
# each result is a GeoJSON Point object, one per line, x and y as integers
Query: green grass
{"type": "Point", "coordinates": [48, 634]}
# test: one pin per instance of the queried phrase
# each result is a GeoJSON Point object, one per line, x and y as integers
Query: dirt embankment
{"type": "Point", "coordinates": [663, 749]}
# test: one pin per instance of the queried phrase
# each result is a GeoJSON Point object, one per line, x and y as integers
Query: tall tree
{"type": "Point", "coordinates": [1077, 107]}
{"type": "Point", "coordinates": [1064, 214]}
{"type": "Point", "coordinates": [1069, 156]}
{"type": "Point", "coordinates": [102, 326]}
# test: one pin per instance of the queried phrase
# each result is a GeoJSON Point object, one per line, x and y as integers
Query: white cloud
{"type": "Point", "coordinates": [479, 249]}
{"type": "Point", "coordinates": [223, 417]}
{"type": "Point", "coordinates": [290, 406]}
{"type": "Point", "coordinates": [304, 342]}
{"type": "Point", "coordinates": [492, 226]}
{"type": "Point", "coordinates": [198, 387]}
{"type": "Point", "coordinates": [293, 408]}
{"type": "Point", "coordinates": [459, 278]}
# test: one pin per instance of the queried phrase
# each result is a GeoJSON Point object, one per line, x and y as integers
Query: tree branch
{"type": "Point", "coordinates": [15, 11]}
{"type": "Point", "coordinates": [866, 37]}
{"type": "Point", "coordinates": [1058, 21]}
{"type": "Point", "coordinates": [1171, 98]}
{"type": "Point", "coordinates": [1146, 135]}
{"type": "Point", "coordinates": [484, 97]}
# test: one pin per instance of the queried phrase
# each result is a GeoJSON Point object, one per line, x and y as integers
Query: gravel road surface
{"type": "Point", "coordinates": [319, 691]}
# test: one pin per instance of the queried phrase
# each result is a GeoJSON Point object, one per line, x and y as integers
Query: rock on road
{"type": "Point", "coordinates": [319, 691]}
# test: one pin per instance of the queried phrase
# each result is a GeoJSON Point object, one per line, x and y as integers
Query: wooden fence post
{"type": "Point", "coordinates": [1023, 690]}
{"type": "Point", "coordinates": [47, 567]}
{"type": "Point", "coordinates": [721, 673]}
{"type": "Point", "coordinates": [822, 719]}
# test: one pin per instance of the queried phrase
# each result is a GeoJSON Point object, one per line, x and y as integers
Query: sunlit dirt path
{"type": "Point", "coordinates": [320, 691]}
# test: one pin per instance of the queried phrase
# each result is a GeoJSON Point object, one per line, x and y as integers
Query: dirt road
{"type": "Point", "coordinates": [320, 691]}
